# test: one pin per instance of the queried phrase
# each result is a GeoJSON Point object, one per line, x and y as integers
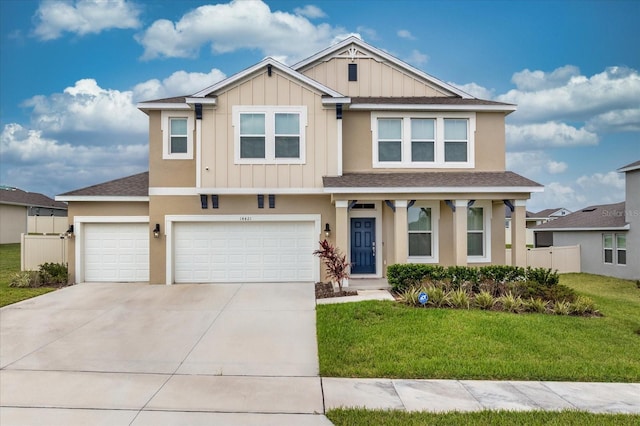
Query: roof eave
{"type": "Point", "coordinates": [626, 227]}
{"type": "Point", "coordinates": [103, 198]}
{"type": "Point", "coordinates": [434, 189]}
{"type": "Point", "coordinates": [433, 107]}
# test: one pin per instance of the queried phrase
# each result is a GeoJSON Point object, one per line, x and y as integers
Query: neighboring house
{"type": "Point", "coordinates": [247, 175]}
{"type": "Point", "coordinates": [532, 220]}
{"type": "Point", "coordinates": [608, 234]}
{"type": "Point", "coordinates": [16, 206]}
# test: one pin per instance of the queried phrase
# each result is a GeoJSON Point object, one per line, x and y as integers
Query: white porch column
{"type": "Point", "coordinates": [400, 234]}
{"type": "Point", "coordinates": [460, 233]}
{"type": "Point", "coordinates": [342, 230]}
{"type": "Point", "coordinates": [519, 233]}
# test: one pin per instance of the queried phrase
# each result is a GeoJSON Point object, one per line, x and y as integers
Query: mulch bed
{"type": "Point", "coordinates": [325, 290]}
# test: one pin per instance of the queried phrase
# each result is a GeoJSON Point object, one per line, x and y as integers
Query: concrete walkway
{"type": "Point", "coordinates": [233, 354]}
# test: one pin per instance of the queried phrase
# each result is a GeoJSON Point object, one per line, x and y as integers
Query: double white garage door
{"type": "Point", "coordinates": [204, 252]}
{"type": "Point", "coordinates": [243, 251]}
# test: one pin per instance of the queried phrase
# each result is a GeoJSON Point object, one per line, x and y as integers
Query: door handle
{"type": "Point", "coordinates": [373, 248]}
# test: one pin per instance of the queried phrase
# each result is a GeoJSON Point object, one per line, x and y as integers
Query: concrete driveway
{"type": "Point", "coordinates": [138, 354]}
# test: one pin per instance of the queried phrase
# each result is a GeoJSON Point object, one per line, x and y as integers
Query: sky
{"type": "Point", "coordinates": [72, 72]}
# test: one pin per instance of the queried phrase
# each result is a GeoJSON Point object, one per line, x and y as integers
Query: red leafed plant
{"type": "Point", "coordinates": [335, 262]}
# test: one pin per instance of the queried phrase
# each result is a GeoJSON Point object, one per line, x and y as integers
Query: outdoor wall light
{"type": "Point", "coordinates": [156, 231]}
{"type": "Point", "coordinates": [327, 230]}
{"type": "Point", "coordinates": [70, 231]}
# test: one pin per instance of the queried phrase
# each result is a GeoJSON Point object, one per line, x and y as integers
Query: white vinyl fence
{"type": "Point", "coordinates": [38, 249]}
{"type": "Point", "coordinates": [564, 259]}
{"type": "Point", "coordinates": [47, 224]}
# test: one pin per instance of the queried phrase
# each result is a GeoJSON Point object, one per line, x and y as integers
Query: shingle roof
{"type": "Point", "coordinates": [424, 100]}
{"type": "Point", "coordinates": [543, 214]}
{"type": "Point", "coordinates": [592, 217]}
{"type": "Point", "coordinates": [130, 186]}
{"type": "Point", "coordinates": [19, 197]}
{"type": "Point", "coordinates": [428, 180]}
{"type": "Point", "coordinates": [633, 166]}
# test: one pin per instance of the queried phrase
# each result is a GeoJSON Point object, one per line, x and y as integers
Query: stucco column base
{"type": "Point", "coordinates": [460, 233]}
{"type": "Point", "coordinates": [400, 228]}
{"type": "Point", "coordinates": [519, 234]}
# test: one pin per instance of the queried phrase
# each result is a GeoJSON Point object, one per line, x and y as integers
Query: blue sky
{"type": "Point", "coordinates": [71, 73]}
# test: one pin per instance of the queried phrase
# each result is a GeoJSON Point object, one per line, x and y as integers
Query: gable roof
{"type": "Point", "coordinates": [18, 197]}
{"type": "Point", "coordinates": [331, 50]}
{"type": "Point", "coordinates": [436, 182]}
{"type": "Point", "coordinates": [592, 218]}
{"type": "Point", "coordinates": [130, 188]}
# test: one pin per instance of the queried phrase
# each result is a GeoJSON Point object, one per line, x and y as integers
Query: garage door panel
{"type": "Point", "coordinates": [241, 251]}
{"type": "Point", "coordinates": [116, 252]}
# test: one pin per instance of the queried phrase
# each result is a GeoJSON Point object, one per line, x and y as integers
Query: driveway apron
{"type": "Point", "coordinates": [152, 354]}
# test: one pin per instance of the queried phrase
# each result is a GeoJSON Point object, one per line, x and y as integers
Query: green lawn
{"type": "Point", "coordinates": [387, 339]}
{"type": "Point", "coordinates": [353, 417]}
{"type": "Point", "coordinates": [10, 264]}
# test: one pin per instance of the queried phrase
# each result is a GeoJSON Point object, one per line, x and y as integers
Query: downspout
{"type": "Point", "coordinates": [198, 108]}
{"type": "Point", "coordinates": [339, 138]}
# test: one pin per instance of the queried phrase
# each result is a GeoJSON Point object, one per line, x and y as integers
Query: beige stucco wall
{"type": "Point", "coordinates": [167, 173]}
{"type": "Point", "coordinates": [245, 205]}
{"type": "Point", "coordinates": [218, 148]}
{"type": "Point", "coordinates": [358, 144]}
{"type": "Point", "coordinates": [77, 208]}
{"type": "Point", "coordinates": [13, 222]}
{"type": "Point", "coordinates": [375, 78]}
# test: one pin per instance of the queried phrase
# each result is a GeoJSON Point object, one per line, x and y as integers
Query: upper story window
{"type": "Point", "coordinates": [269, 134]}
{"type": "Point", "coordinates": [177, 135]}
{"type": "Point", "coordinates": [423, 140]}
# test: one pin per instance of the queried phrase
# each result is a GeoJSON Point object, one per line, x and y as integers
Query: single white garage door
{"type": "Point", "coordinates": [208, 252]}
{"type": "Point", "coordinates": [116, 252]}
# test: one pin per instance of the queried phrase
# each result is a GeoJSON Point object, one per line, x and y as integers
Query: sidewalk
{"type": "Point", "coordinates": [477, 395]}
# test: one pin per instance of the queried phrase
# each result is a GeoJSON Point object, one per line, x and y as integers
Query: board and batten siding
{"type": "Point", "coordinates": [375, 78]}
{"type": "Point", "coordinates": [218, 153]}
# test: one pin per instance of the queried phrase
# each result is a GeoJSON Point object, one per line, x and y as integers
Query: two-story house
{"type": "Point", "coordinates": [246, 176]}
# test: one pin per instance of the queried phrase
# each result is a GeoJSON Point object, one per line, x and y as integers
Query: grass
{"type": "Point", "coordinates": [387, 339]}
{"type": "Point", "coordinates": [353, 417]}
{"type": "Point", "coordinates": [9, 265]}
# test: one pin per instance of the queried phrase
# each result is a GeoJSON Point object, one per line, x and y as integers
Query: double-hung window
{"type": "Point", "coordinates": [269, 134]}
{"type": "Point", "coordinates": [478, 232]}
{"type": "Point", "coordinates": [614, 247]}
{"type": "Point", "coordinates": [177, 135]}
{"type": "Point", "coordinates": [422, 219]}
{"type": "Point", "coordinates": [423, 140]}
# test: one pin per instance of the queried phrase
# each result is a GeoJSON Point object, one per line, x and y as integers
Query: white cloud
{"type": "Point", "coordinates": [310, 11]}
{"type": "Point", "coordinates": [556, 167]}
{"type": "Point", "coordinates": [238, 25]}
{"type": "Point", "coordinates": [531, 81]}
{"type": "Point", "coordinates": [550, 134]}
{"type": "Point", "coordinates": [177, 84]}
{"type": "Point", "coordinates": [622, 120]}
{"type": "Point", "coordinates": [405, 34]}
{"type": "Point", "coordinates": [557, 195]}
{"type": "Point", "coordinates": [417, 58]}
{"type": "Point", "coordinates": [562, 95]}
{"type": "Point", "coordinates": [28, 156]}
{"type": "Point", "coordinates": [475, 90]}
{"type": "Point", "coordinates": [611, 180]}
{"type": "Point", "coordinates": [84, 17]}
{"type": "Point", "coordinates": [86, 107]}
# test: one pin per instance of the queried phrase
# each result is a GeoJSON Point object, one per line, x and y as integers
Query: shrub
{"type": "Point", "coordinates": [403, 276]}
{"type": "Point", "coordinates": [511, 303]}
{"type": "Point", "coordinates": [24, 279]}
{"type": "Point", "coordinates": [459, 299]}
{"type": "Point", "coordinates": [410, 296]}
{"type": "Point", "coordinates": [437, 297]}
{"type": "Point", "coordinates": [583, 305]}
{"type": "Point", "coordinates": [54, 274]}
{"type": "Point", "coordinates": [335, 262]}
{"type": "Point", "coordinates": [484, 300]}
{"type": "Point", "coordinates": [536, 305]}
{"type": "Point", "coordinates": [543, 276]}
{"type": "Point", "coordinates": [562, 307]}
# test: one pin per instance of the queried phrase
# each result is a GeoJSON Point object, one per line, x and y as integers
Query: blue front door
{"type": "Point", "coordinates": [363, 245]}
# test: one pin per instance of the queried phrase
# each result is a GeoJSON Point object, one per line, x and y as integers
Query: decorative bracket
{"type": "Point", "coordinates": [391, 205]}
{"type": "Point", "coordinates": [509, 204]}
{"type": "Point", "coordinates": [352, 51]}
{"type": "Point", "coordinates": [451, 205]}
{"type": "Point", "coordinates": [351, 204]}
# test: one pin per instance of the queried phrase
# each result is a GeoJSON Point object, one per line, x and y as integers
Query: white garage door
{"type": "Point", "coordinates": [116, 252]}
{"type": "Point", "coordinates": [243, 252]}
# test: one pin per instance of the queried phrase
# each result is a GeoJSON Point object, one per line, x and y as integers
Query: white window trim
{"type": "Point", "coordinates": [166, 136]}
{"type": "Point", "coordinates": [613, 249]}
{"type": "Point", "coordinates": [487, 211]}
{"type": "Point", "coordinates": [620, 249]}
{"type": "Point", "coordinates": [269, 111]}
{"type": "Point", "coordinates": [438, 162]}
{"type": "Point", "coordinates": [435, 227]}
